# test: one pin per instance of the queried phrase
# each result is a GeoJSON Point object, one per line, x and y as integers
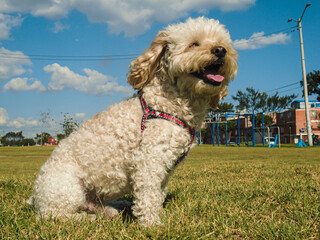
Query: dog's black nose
{"type": "Point", "coordinates": [219, 52]}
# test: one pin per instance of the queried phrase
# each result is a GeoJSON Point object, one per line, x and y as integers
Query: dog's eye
{"type": "Point", "coordinates": [194, 44]}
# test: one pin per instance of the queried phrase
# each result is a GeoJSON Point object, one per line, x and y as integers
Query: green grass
{"type": "Point", "coordinates": [218, 193]}
{"type": "Point", "coordinates": [17, 161]}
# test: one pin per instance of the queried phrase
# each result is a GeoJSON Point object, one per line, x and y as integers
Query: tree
{"type": "Point", "coordinates": [268, 121]}
{"type": "Point", "coordinates": [275, 103]}
{"type": "Point", "coordinates": [13, 136]}
{"type": "Point", "coordinates": [16, 139]}
{"type": "Point", "coordinates": [44, 136]}
{"type": "Point", "coordinates": [27, 142]}
{"type": "Point", "coordinates": [69, 124]}
{"type": "Point", "coordinates": [252, 100]}
{"type": "Point", "coordinates": [60, 136]}
{"type": "Point", "coordinates": [285, 101]}
{"type": "Point", "coordinates": [313, 83]}
{"type": "Point", "coordinates": [225, 107]}
{"type": "Point", "coordinates": [231, 126]}
{"type": "Point", "coordinates": [272, 103]}
{"type": "Point", "coordinates": [45, 119]}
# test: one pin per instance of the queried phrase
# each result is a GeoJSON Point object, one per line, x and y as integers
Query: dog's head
{"type": "Point", "coordinates": [196, 56]}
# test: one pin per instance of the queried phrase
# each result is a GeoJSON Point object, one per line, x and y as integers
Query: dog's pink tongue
{"type": "Point", "coordinates": [214, 77]}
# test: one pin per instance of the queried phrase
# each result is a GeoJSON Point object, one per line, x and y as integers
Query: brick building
{"type": "Point", "coordinates": [289, 122]}
{"type": "Point", "coordinates": [52, 141]}
{"type": "Point", "coordinates": [292, 120]}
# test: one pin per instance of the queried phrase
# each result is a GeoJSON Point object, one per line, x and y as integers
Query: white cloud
{"type": "Point", "coordinates": [24, 84]}
{"type": "Point", "coordinates": [46, 8]}
{"type": "Point", "coordinates": [62, 77]}
{"type": "Point", "coordinates": [17, 123]}
{"type": "Point", "coordinates": [93, 83]}
{"type": "Point", "coordinates": [12, 64]}
{"type": "Point", "coordinates": [7, 22]}
{"type": "Point", "coordinates": [3, 116]}
{"type": "Point", "coordinates": [79, 115]}
{"type": "Point", "coordinates": [130, 17]}
{"type": "Point", "coordinates": [59, 27]}
{"type": "Point", "coordinates": [30, 122]}
{"type": "Point", "coordinates": [135, 17]}
{"type": "Point", "coordinates": [258, 40]}
{"type": "Point", "coordinates": [204, 5]}
{"type": "Point", "coordinates": [21, 122]}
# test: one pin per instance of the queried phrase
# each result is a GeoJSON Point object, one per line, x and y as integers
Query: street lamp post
{"type": "Point", "coordinates": [305, 87]}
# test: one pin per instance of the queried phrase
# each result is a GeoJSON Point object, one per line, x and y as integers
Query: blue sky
{"type": "Point", "coordinates": [72, 56]}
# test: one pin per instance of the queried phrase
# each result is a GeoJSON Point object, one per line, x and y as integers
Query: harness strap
{"type": "Point", "coordinates": [149, 113]}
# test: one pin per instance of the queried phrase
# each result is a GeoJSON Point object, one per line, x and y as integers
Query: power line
{"type": "Point", "coordinates": [275, 89]}
{"type": "Point", "coordinates": [68, 56]}
{"type": "Point", "coordinates": [289, 85]}
{"type": "Point", "coordinates": [41, 57]}
{"type": "Point", "coordinates": [290, 89]}
{"type": "Point", "coordinates": [47, 57]}
{"type": "Point", "coordinates": [72, 59]}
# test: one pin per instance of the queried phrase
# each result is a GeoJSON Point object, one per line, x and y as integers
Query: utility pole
{"type": "Point", "coordinates": [305, 86]}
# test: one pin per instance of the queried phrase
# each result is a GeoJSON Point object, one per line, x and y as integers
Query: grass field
{"type": "Point", "coordinates": [218, 193]}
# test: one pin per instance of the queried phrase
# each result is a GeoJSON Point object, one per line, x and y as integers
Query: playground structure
{"type": "Point", "coordinates": [250, 130]}
{"type": "Point", "coordinates": [301, 143]}
{"type": "Point", "coordinates": [273, 145]}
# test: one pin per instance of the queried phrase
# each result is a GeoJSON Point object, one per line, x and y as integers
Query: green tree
{"type": "Point", "coordinates": [268, 121]}
{"type": "Point", "coordinates": [313, 83]}
{"type": "Point", "coordinates": [275, 103]}
{"type": "Point", "coordinates": [45, 119]}
{"type": "Point", "coordinates": [14, 136]}
{"type": "Point", "coordinates": [60, 136]}
{"type": "Point", "coordinates": [251, 101]}
{"type": "Point", "coordinates": [232, 124]}
{"type": "Point", "coordinates": [272, 103]}
{"type": "Point", "coordinates": [69, 124]}
{"type": "Point", "coordinates": [16, 139]}
{"type": "Point", "coordinates": [27, 142]}
{"type": "Point", "coordinates": [285, 101]}
{"type": "Point", "coordinates": [44, 136]}
{"type": "Point", "coordinates": [224, 107]}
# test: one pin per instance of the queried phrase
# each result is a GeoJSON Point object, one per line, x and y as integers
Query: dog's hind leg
{"type": "Point", "coordinates": [99, 209]}
{"type": "Point", "coordinates": [94, 204]}
{"type": "Point", "coordinates": [58, 190]}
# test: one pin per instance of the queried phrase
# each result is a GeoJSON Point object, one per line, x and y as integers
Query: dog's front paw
{"type": "Point", "coordinates": [150, 221]}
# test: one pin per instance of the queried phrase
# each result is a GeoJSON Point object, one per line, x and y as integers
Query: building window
{"type": "Point", "coordinates": [289, 115]}
{"type": "Point", "coordinates": [313, 114]}
{"type": "Point", "coordinates": [281, 115]}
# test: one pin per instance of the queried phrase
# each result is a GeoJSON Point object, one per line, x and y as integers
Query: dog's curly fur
{"type": "Point", "coordinates": [109, 156]}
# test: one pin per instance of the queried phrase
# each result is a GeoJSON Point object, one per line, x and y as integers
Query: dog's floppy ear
{"type": "Point", "coordinates": [215, 100]}
{"type": "Point", "coordinates": [144, 67]}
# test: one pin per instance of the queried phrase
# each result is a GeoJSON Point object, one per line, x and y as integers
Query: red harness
{"type": "Point", "coordinates": [149, 113]}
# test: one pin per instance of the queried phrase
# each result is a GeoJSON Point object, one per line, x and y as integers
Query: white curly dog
{"type": "Point", "coordinates": [134, 146]}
